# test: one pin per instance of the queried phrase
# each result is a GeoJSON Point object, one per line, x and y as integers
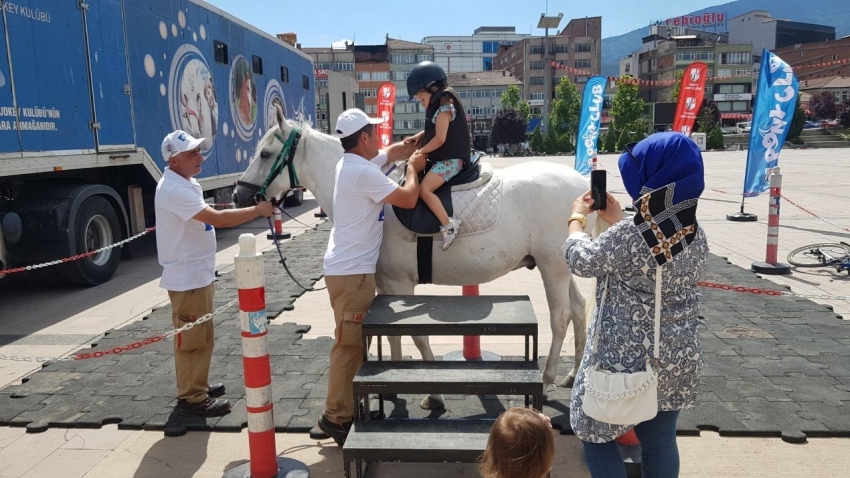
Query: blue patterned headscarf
{"type": "Point", "coordinates": [665, 177]}
{"type": "Point", "coordinates": [662, 159]}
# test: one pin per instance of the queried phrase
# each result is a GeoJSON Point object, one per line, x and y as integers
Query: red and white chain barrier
{"type": "Point", "coordinates": [126, 348]}
{"type": "Point", "coordinates": [77, 257]}
{"type": "Point", "coordinates": [250, 282]}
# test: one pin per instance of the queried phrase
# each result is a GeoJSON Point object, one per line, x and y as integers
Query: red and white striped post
{"type": "Point", "coordinates": [771, 264]}
{"type": "Point", "coordinates": [471, 343]}
{"type": "Point", "coordinates": [594, 163]}
{"type": "Point", "coordinates": [250, 284]}
{"type": "Point", "coordinates": [278, 226]}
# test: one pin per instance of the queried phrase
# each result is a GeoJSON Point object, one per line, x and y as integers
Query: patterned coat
{"type": "Point", "coordinates": [625, 322]}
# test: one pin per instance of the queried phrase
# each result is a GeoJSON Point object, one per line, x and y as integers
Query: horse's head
{"type": "Point", "coordinates": [270, 173]}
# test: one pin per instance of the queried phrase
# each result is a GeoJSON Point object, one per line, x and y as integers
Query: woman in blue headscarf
{"type": "Point", "coordinates": [655, 256]}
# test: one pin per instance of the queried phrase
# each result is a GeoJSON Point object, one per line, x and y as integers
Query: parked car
{"type": "Point", "coordinates": [727, 130]}
{"type": "Point", "coordinates": [811, 125]}
{"type": "Point", "coordinates": [743, 128]}
{"type": "Point", "coordinates": [829, 123]}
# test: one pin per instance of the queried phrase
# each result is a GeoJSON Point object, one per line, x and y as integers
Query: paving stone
{"type": "Point", "coordinates": [728, 366]}
{"type": "Point", "coordinates": [836, 417]}
{"type": "Point", "coordinates": [762, 417]}
{"type": "Point", "coordinates": [44, 383]}
{"type": "Point", "coordinates": [717, 346]}
{"type": "Point", "coordinates": [838, 366]}
{"type": "Point", "coordinates": [12, 407]}
{"type": "Point", "coordinates": [285, 364]}
{"type": "Point", "coordinates": [292, 386]}
{"type": "Point", "coordinates": [812, 389]}
{"type": "Point", "coordinates": [61, 411]}
{"type": "Point", "coordinates": [311, 348]}
{"type": "Point", "coordinates": [767, 348]}
{"type": "Point", "coordinates": [722, 389]}
{"type": "Point", "coordinates": [787, 364]}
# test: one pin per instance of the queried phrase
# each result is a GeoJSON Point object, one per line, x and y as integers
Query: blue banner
{"type": "Point", "coordinates": [588, 126]}
{"type": "Point", "coordinates": [775, 102]}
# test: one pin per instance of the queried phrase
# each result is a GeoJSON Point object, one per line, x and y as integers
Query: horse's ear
{"type": "Point", "coordinates": [281, 118]}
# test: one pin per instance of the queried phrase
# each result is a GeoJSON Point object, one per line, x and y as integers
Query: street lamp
{"type": "Point", "coordinates": [546, 23]}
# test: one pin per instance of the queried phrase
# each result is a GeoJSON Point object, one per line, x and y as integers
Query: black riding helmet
{"type": "Point", "coordinates": [422, 76]}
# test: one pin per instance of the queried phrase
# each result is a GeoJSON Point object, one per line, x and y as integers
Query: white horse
{"type": "Point", "coordinates": [536, 199]}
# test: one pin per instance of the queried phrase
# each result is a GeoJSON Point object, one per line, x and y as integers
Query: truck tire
{"type": "Point", "coordinates": [295, 199]}
{"type": "Point", "coordinates": [95, 226]}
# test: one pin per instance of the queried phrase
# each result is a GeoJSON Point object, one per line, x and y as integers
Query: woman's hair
{"type": "Point", "coordinates": [520, 445]}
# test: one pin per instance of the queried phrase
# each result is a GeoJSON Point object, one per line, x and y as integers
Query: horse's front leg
{"type": "Point", "coordinates": [430, 402]}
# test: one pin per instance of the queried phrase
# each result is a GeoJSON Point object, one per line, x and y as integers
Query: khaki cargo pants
{"type": "Point", "coordinates": [193, 348]}
{"type": "Point", "coordinates": [351, 297]}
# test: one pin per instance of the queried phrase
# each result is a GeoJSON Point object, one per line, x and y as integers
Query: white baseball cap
{"type": "Point", "coordinates": [352, 121]}
{"type": "Point", "coordinates": [179, 142]}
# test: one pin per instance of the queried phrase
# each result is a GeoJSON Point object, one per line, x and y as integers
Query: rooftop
{"type": "Point", "coordinates": [482, 78]}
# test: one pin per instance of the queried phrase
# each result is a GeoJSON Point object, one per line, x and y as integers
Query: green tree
{"type": "Point", "coordinates": [537, 140]}
{"type": "Point", "coordinates": [550, 143]}
{"type": "Point", "coordinates": [624, 139]}
{"type": "Point", "coordinates": [715, 138]}
{"type": "Point", "coordinates": [566, 109]}
{"type": "Point", "coordinates": [610, 141]}
{"type": "Point", "coordinates": [677, 85]}
{"type": "Point", "coordinates": [512, 100]}
{"type": "Point", "coordinates": [798, 121]}
{"type": "Point", "coordinates": [565, 145]}
{"type": "Point", "coordinates": [627, 107]}
{"type": "Point", "coordinates": [708, 116]}
{"type": "Point", "coordinates": [508, 128]}
{"type": "Point", "coordinates": [844, 116]}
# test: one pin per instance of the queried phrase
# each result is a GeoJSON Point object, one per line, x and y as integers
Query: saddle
{"type": "Point", "coordinates": [420, 219]}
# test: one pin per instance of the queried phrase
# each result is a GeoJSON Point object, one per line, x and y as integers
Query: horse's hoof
{"type": "Point", "coordinates": [430, 403]}
{"type": "Point", "coordinates": [568, 382]}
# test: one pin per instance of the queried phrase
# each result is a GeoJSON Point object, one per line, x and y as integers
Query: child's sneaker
{"type": "Point", "coordinates": [449, 232]}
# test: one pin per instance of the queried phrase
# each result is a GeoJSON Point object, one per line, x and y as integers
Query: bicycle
{"type": "Point", "coordinates": [822, 255]}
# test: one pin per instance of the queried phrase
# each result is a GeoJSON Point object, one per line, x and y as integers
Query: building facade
{"type": "Point", "coordinates": [730, 73]}
{"type": "Point", "coordinates": [818, 60]}
{"type": "Point", "coordinates": [481, 95]}
{"type": "Point", "coordinates": [758, 29]}
{"type": "Point", "coordinates": [463, 54]}
{"type": "Point", "coordinates": [409, 118]}
{"type": "Point", "coordinates": [577, 49]}
{"type": "Point", "coordinates": [332, 66]}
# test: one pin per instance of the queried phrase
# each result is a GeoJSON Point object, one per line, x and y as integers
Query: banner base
{"type": "Point", "coordinates": [771, 269]}
{"type": "Point", "coordinates": [742, 217]}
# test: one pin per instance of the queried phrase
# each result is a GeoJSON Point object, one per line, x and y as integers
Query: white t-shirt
{"type": "Point", "coordinates": [185, 246]}
{"type": "Point", "coordinates": [358, 209]}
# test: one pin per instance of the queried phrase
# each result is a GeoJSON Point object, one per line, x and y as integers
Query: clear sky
{"type": "Point", "coordinates": [321, 22]}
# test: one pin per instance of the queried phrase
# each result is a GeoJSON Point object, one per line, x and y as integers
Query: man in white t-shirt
{"type": "Point", "coordinates": [360, 191]}
{"type": "Point", "coordinates": [185, 243]}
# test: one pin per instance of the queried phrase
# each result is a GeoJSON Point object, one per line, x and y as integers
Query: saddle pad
{"type": "Point", "coordinates": [478, 208]}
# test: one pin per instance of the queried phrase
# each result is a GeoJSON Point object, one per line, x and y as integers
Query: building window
{"type": "Point", "coordinates": [221, 55]}
{"type": "Point", "coordinates": [741, 72]}
{"type": "Point", "coordinates": [321, 83]}
{"type": "Point", "coordinates": [407, 58]}
{"type": "Point", "coordinates": [363, 76]}
{"type": "Point", "coordinates": [399, 75]}
{"type": "Point", "coordinates": [345, 66]}
{"type": "Point", "coordinates": [305, 82]}
{"type": "Point", "coordinates": [586, 63]}
{"type": "Point", "coordinates": [740, 106]}
{"type": "Point", "coordinates": [490, 47]}
{"type": "Point", "coordinates": [581, 79]}
{"type": "Point", "coordinates": [536, 50]}
{"type": "Point", "coordinates": [284, 74]}
{"type": "Point", "coordinates": [536, 80]}
{"type": "Point", "coordinates": [694, 55]}
{"type": "Point", "coordinates": [488, 63]}
{"type": "Point", "coordinates": [536, 65]}
{"type": "Point", "coordinates": [582, 47]}
{"type": "Point", "coordinates": [735, 58]}
{"type": "Point", "coordinates": [724, 106]}
{"type": "Point", "coordinates": [256, 65]}
{"type": "Point", "coordinates": [537, 95]}
{"type": "Point", "coordinates": [562, 49]}
{"type": "Point", "coordinates": [380, 76]}
{"type": "Point", "coordinates": [724, 72]}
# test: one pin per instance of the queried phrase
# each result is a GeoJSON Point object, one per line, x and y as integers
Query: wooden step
{"type": "Point", "coordinates": [450, 315]}
{"type": "Point", "coordinates": [452, 378]}
{"type": "Point", "coordinates": [417, 441]}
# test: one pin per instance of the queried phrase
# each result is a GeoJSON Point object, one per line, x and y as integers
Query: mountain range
{"type": "Point", "coordinates": [824, 12]}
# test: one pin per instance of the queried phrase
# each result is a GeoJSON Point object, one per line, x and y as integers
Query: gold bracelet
{"type": "Point", "coordinates": [578, 217]}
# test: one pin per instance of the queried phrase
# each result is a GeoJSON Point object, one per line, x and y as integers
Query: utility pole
{"type": "Point", "coordinates": [546, 23]}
